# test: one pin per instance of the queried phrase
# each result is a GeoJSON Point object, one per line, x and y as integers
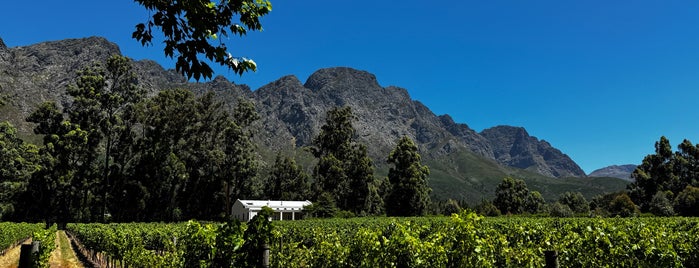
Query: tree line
{"type": "Point", "coordinates": [512, 196]}
{"type": "Point", "coordinates": [116, 155]}
{"type": "Point", "coordinates": [665, 184]}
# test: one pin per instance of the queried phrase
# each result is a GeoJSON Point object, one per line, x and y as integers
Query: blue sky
{"type": "Point", "coordinates": [600, 80]}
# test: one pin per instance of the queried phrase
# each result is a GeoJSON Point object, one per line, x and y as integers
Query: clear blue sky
{"type": "Point", "coordinates": [600, 80]}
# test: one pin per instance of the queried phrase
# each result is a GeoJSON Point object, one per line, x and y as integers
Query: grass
{"type": "Point", "coordinates": [63, 255]}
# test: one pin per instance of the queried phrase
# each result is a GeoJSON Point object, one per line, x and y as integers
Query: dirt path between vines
{"type": "Point", "coordinates": [11, 257]}
{"type": "Point", "coordinates": [63, 256]}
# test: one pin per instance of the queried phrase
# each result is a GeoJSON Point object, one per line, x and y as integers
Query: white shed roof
{"type": "Point", "coordinates": [274, 204]}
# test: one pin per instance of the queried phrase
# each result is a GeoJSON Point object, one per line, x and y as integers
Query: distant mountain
{"type": "Point", "coordinates": [622, 172]}
{"type": "Point", "coordinates": [464, 164]}
{"type": "Point", "coordinates": [512, 146]}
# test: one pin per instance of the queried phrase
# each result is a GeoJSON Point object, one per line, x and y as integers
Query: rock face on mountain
{"type": "Point", "coordinates": [622, 172]}
{"type": "Point", "coordinates": [292, 112]}
{"type": "Point", "coordinates": [33, 74]}
{"type": "Point", "coordinates": [514, 147]}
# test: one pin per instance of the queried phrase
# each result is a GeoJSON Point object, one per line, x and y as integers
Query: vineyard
{"type": "Point", "coordinates": [464, 240]}
{"type": "Point", "coordinates": [13, 233]}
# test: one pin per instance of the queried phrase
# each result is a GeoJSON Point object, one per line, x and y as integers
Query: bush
{"type": "Point", "coordinates": [623, 206]}
{"type": "Point", "coordinates": [451, 207]}
{"type": "Point", "coordinates": [575, 201]}
{"type": "Point", "coordinates": [660, 205]}
{"type": "Point", "coordinates": [560, 210]}
{"type": "Point", "coordinates": [687, 201]}
{"type": "Point", "coordinates": [487, 208]}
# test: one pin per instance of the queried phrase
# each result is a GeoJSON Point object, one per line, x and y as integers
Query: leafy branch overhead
{"type": "Point", "coordinates": [191, 29]}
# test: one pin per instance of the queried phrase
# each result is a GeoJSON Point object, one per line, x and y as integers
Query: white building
{"type": "Point", "coordinates": [244, 210]}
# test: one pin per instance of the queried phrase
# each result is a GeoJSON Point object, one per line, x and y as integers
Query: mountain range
{"type": "Point", "coordinates": [465, 164]}
{"type": "Point", "coordinates": [617, 171]}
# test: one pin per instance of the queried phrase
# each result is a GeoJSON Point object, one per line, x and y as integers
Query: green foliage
{"type": "Point", "coordinates": [257, 237]}
{"type": "Point", "coordinates": [468, 240]}
{"type": "Point", "coordinates": [661, 206]}
{"type": "Point", "coordinates": [535, 203]}
{"type": "Point", "coordinates": [559, 209]}
{"type": "Point", "coordinates": [47, 243]}
{"type": "Point", "coordinates": [12, 233]}
{"type": "Point", "coordinates": [64, 179]}
{"type": "Point", "coordinates": [462, 240]}
{"type": "Point", "coordinates": [451, 207]}
{"type": "Point", "coordinates": [622, 206]}
{"type": "Point", "coordinates": [324, 207]}
{"type": "Point", "coordinates": [575, 201]}
{"type": "Point", "coordinates": [336, 135]}
{"type": "Point", "coordinates": [511, 196]}
{"type": "Point", "coordinates": [18, 161]}
{"type": "Point", "coordinates": [191, 27]}
{"type": "Point", "coordinates": [487, 208]}
{"type": "Point", "coordinates": [687, 201]}
{"type": "Point", "coordinates": [344, 170]}
{"type": "Point", "coordinates": [121, 157]}
{"type": "Point", "coordinates": [103, 98]}
{"type": "Point", "coordinates": [665, 171]}
{"type": "Point", "coordinates": [409, 194]}
{"type": "Point", "coordinates": [286, 181]}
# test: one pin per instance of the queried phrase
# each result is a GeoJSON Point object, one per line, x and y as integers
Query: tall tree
{"type": "Point", "coordinates": [64, 195]}
{"type": "Point", "coordinates": [686, 164]}
{"type": "Point", "coordinates": [344, 169]}
{"type": "Point", "coordinates": [191, 28]}
{"type": "Point", "coordinates": [410, 193]}
{"type": "Point", "coordinates": [286, 181]}
{"type": "Point", "coordinates": [193, 156]}
{"type": "Point", "coordinates": [687, 201]}
{"type": "Point", "coordinates": [665, 171]}
{"type": "Point", "coordinates": [511, 196]}
{"type": "Point", "coordinates": [101, 96]}
{"type": "Point", "coordinates": [18, 161]}
{"type": "Point", "coordinates": [168, 120]}
{"type": "Point", "coordinates": [535, 203]}
{"type": "Point", "coordinates": [240, 174]}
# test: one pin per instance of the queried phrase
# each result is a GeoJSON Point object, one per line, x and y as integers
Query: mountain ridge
{"type": "Point", "coordinates": [292, 112]}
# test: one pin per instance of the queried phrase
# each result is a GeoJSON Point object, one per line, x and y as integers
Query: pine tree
{"type": "Point", "coordinates": [344, 169]}
{"type": "Point", "coordinates": [410, 193]}
{"type": "Point", "coordinates": [286, 181]}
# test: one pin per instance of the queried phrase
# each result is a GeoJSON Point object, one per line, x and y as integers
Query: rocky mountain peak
{"type": "Point", "coordinates": [341, 77]}
{"type": "Point", "coordinates": [288, 81]}
{"type": "Point", "coordinates": [4, 52]}
{"type": "Point", "coordinates": [513, 146]}
{"type": "Point", "coordinates": [90, 49]}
